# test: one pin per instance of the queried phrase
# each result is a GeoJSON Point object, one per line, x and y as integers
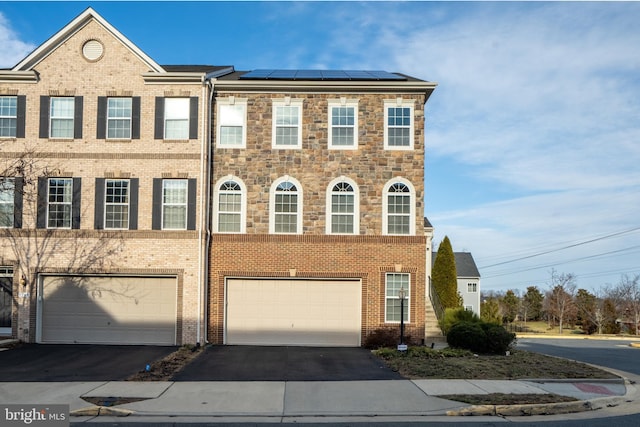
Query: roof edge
{"type": "Point", "coordinates": [69, 30]}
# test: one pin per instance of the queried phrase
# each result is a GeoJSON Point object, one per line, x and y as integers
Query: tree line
{"type": "Point", "coordinates": [612, 309]}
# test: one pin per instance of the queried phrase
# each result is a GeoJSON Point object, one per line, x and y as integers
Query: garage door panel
{"type": "Point", "coordinates": [108, 310]}
{"type": "Point", "coordinates": [293, 312]}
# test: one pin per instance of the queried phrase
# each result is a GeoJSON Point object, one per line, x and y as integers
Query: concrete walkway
{"type": "Point", "coordinates": [273, 401]}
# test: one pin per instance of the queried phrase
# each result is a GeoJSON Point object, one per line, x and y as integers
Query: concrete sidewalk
{"type": "Point", "coordinates": [271, 400]}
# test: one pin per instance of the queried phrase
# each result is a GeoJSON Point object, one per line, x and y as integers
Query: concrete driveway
{"type": "Point", "coordinates": [250, 363]}
{"type": "Point", "coordinates": [75, 362]}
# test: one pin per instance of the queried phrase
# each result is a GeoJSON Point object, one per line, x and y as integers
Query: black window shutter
{"type": "Point", "coordinates": [134, 185]}
{"type": "Point", "coordinates": [43, 184]}
{"type": "Point", "coordinates": [75, 203]}
{"type": "Point", "coordinates": [77, 118]}
{"type": "Point", "coordinates": [191, 204]}
{"type": "Point", "coordinates": [156, 215]}
{"type": "Point", "coordinates": [21, 114]}
{"type": "Point", "coordinates": [17, 201]}
{"type": "Point", "coordinates": [98, 222]}
{"type": "Point", "coordinates": [135, 117]}
{"type": "Point", "coordinates": [158, 132]}
{"type": "Point", "coordinates": [193, 117]}
{"type": "Point", "coordinates": [101, 122]}
{"type": "Point", "coordinates": [44, 116]}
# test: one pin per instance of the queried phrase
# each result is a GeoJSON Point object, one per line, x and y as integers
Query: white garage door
{"type": "Point", "coordinates": [107, 310]}
{"type": "Point", "coordinates": [293, 312]}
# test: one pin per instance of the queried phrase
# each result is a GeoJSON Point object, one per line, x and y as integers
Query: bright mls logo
{"type": "Point", "coordinates": [34, 415]}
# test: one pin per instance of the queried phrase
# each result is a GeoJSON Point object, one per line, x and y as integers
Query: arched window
{"type": "Point", "coordinates": [286, 207]}
{"type": "Point", "coordinates": [230, 206]}
{"type": "Point", "coordinates": [399, 208]}
{"type": "Point", "coordinates": [342, 207]}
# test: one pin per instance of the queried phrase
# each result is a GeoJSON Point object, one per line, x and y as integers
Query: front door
{"type": "Point", "coordinates": [6, 299]}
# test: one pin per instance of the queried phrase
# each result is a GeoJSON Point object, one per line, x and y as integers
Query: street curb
{"type": "Point", "coordinates": [523, 410]}
{"type": "Point", "coordinates": [95, 411]}
{"type": "Point", "coordinates": [538, 409]}
{"type": "Point", "coordinates": [634, 344]}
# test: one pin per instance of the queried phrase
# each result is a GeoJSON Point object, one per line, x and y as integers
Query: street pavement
{"type": "Point", "coordinates": [305, 401]}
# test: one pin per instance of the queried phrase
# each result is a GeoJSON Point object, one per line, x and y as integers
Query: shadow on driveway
{"type": "Point", "coordinates": [251, 363]}
{"type": "Point", "coordinates": [76, 362]}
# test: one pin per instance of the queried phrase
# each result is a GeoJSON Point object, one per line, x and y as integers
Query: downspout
{"type": "Point", "coordinates": [203, 255]}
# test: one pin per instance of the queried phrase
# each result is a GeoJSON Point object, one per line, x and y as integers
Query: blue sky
{"type": "Point", "coordinates": [532, 136]}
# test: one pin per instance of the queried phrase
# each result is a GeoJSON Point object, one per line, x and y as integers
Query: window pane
{"type": "Point", "coordinates": [399, 126]}
{"type": "Point", "coordinates": [59, 203]}
{"type": "Point", "coordinates": [119, 118]}
{"type": "Point", "coordinates": [176, 118]}
{"type": "Point", "coordinates": [286, 119]}
{"type": "Point", "coordinates": [7, 190]}
{"type": "Point", "coordinates": [286, 208]}
{"type": "Point", "coordinates": [395, 282]}
{"type": "Point", "coordinates": [232, 115]}
{"type": "Point", "coordinates": [174, 204]}
{"type": "Point", "coordinates": [62, 110]}
{"type": "Point", "coordinates": [8, 115]}
{"type": "Point", "coordinates": [231, 135]}
{"type": "Point", "coordinates": [117, 204]}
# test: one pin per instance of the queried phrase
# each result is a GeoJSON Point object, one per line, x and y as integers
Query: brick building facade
{"type": "Point", "coordinates": [180, 204]}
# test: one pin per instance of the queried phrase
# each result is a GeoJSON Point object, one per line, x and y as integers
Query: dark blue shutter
{"type": "Point", "coordinates": [191, 204]}
{"type": "Point", "coordinates": [75, 203]}
{"type": "Point", "coordinates": [20, 115]}
{"type": "Point", "coordinates": [43, 185]}
{"type": "Point", "coordinates": [45, 105]}
{"type": "Point", "coordinates": [158, 132]}
{"type": "Point", "coordinates": [101, 122]}
{"type": "Point", "coordinates": [17, 201]}
{"type": "Point", "coordinates": [77, 118]}
{"type": "Point", "coordinates": [134, 185]}
{"type": "Point", "coordinates": [193, 117]}
{"type": "Point", "coordinates": [156, 214]}
{"type": "Point", "coordinates": [135, 117]}
{"type": "Point", "coordinates": [98, 222]}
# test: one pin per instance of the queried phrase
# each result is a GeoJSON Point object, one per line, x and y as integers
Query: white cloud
{"type": "Point", "coordinates": [539, 98]}
{"type": "Point", "coordinates": [12, 49]}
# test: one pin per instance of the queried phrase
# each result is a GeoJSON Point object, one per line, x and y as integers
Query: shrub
{"type": "Point", "coordinates": [456, 315]}
{"type": "Point", "coordinates": [499, 340]}
{"type": "Point", "coordinates": [480, 337]}
{"type": "Point", "coordinates": [385, 337]}
{"type": "Point", "coordinates": [468, 335]}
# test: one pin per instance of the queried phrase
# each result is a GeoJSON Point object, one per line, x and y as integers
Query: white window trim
{"type": "Point", "coordinates": [186, 205]}
{"type": "Point", "coordinates": [187, 117]}
{"type": "Point", "coordinates": [52, 118]}
{"type": "Point", "coordinates": [399, 102]}
{"type": "Point", "coordinates": [407, 299]}
{"type": "Point", "coordinates": [49, 203]}
{"type": "Point", "coordinates": [243, 204]}
{"type": "Point", "coordinates": [128, 204]}
{"type": "Point", "coordinates": [130, 118]}
{"type": "Point", "coordinates": [11, 117]}
{"type": "Point", "coordinates": [471, 286]}
{"type": "Point", "coordinates": [385, 207]}
{"type": "Point", "coordinates": [272, 204]}
{"type": "Point", "coordinates": [231, 100]}
{"type": "Point", "coordinates": [286, 102]}
{"type": "Point", "coordinates": [356, 205]}
{"type": "Point", "coordinates": [11, 202]}
{"type": "Point", "coordinates": [342, 102]}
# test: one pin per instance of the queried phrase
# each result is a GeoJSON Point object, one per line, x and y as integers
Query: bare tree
{"type": "Point", "coordinates": [33, 249]}
{"type": "Point", "coordinates": [559, 299]}
{"type": "Point", "coordinates": [628, 292]}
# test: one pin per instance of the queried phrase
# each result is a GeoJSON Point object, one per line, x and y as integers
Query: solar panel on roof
{"type": "Point", "coordinates": [266, 74]}
{"type": "Point", "coordinates": [359, 75]}
{"type": "Point", "coordinates": [384, 75]}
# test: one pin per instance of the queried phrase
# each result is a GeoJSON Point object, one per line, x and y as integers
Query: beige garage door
{"type": "Point", "coordinates": [293, 312]}
{"type": "Point", "coordinates": [107, 310]}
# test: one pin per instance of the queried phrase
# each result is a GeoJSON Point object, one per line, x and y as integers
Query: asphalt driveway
{"type": "Point", "coordinates": [75, 362]}
{"type": "Point", "coordinates": [252, 363]}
